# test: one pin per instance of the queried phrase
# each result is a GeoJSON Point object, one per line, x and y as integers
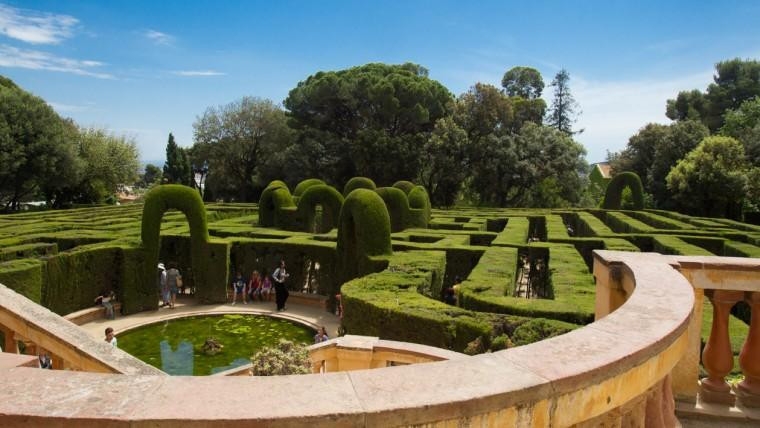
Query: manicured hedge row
{"type": "Point", "coordinates": [658, 221]}
{"type": "Point", "coordinates": [514, 234]}
{"type": "Point", "coordinates": [622, 223]}
{"type": "Point", "coordinates": [665, 244]}
{"type": "Point", "coordinates": [364, 234]}
{"type": "Point", "coordinates": [24, 276]}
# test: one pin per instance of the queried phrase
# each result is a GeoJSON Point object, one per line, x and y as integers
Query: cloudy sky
{"type": "Point", "coordinates": [147, 68]}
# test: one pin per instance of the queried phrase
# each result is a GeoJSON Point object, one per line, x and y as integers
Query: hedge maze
{"type": "Point", "coordinates": [519, 275]}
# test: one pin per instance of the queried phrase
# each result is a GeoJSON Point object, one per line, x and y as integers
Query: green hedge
{"type": "Point", "coordinates": [24, 276]}
{"type": "Point", "coordinates": [398, 207]}
{"type": "Point", "coordinates": [614, 194]}
{"type": "Point", "coordinates": [405, 186]}
{"type": "Point", "coordinates": [276, 208]}
{"type": "Point", "coordinates": [420, 209]}
{"type": "Point", "coordinates": [303, 185]}
{"type": "Point", "coordinates": [331, 201]}
{"type": "Point", "coordinates": [514, 234]}
{"type": "Point", "coordinates": [358, 183]}
{"type": "Point", "coordinates": [364, 234]}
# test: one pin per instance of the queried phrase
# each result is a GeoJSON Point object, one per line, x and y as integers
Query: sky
{"type": "Point", "coordinates": [147, 68]}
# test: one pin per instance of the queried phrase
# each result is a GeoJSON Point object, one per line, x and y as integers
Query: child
{"type": "Point", "coordinates": [238, 287]}
{"type": "Point", "coordinates": [266, 287]}
{"type": "Point", "coordinates": [254, 286]}
{"type": "Point", "coordinates": [321, 335]}
{"type": "Point", "coordinates": [110, 338]}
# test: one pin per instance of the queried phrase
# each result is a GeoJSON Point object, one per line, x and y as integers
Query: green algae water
{"type": "Point", "coordinates": [174, 346]}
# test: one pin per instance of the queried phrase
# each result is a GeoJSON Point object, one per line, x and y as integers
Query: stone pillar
{"type": "Point", "coordinates": [685, 374]}
{"type": "Point", "coordinates": [717, 357]}
{"type": "Point", "coordinates": [748, 390]}
{"type": "Point", "coordinates": [610, 294]}
{"type": "Point", "coordinates": [10, 344]}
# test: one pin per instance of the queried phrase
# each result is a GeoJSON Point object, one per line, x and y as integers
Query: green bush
{"type": "Point", "coordinates": [364, 234]}
{"type": "Point", "coordinates": [405, 186]}
{"type": "Point", "coordinates": [539, 329]}
{"type": "Point", "coordinates": [358, 183]}
{"type": "Point", "coordinates": [303, 185]}
{"type": "Point", "coordinates": [331, 201]}
{"type": "Point", "coordinates": [398, 206]}
{"type": "Point", "coordinates": [515, 234]}
{"type": "Point", "coordinates": [23, 276]}
{"type": "Point", "coordinates": [420, 209]}
{"type": "Point", "coordinates": [276, 208]}
{"type": "Point", "coordinates": [614, 193]}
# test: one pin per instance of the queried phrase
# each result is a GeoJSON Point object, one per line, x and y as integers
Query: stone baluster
{"type": "Point", "coordinates": [748, 390]}
{"type": "Point", "coordinates": [10, 344]}
{"type": "Point", "coordinates": [717, 357]}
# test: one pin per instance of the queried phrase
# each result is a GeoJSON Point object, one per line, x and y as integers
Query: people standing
{"type": "Point", "coordinates": [254, 286]}
{"type": "Point", "coordinates": [163, 285]}
{"type": "Point", "coordinates": [173, 281]}
{"type": "Point", "coordinates": [110, 338]}
{"type": "Point", "coordinates": [321, 335]}
{"type": "Point", "coordinates": [280, 275]}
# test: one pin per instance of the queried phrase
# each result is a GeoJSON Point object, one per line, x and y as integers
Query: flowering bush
{"type": "Point", "coordinates": [283, 359]}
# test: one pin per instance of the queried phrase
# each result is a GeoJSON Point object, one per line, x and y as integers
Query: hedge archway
{"type": "Point", "coordinates": [276, 206]}
{"type": "Point", "coordinates": [398, 206]}
{"type": "Point", "coordinates": [331, 201]}
{"type": "Point", "coordinates": [187, 200]}
{"type": "Point", "coordinates": [358, 183]}
{"type": "Point", "coordinates": [404, 185]}
{"type": "Point", "coordinates": [364, 235]}
{"type": "Point", "coordinates": [305, 184]}
{"type": "Point", "coordinates": [614, 195]}
{"type": "Point", "coordinates": [420, 209]}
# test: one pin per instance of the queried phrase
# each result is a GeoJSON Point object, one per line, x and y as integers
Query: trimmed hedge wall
{"type": "Point", "coordinates": [358, 183]}
{"type": "Point", "coordinates": [303, 185]}
{"type": "Point", "coordinates": [514, 234]}
{"type": "Point", "coordinates": [276, 207]}
{"type": "Point", "coordinates": [398, 207]}
{"type": "Point", "coordinates": [614, 194]}
{"type": "Point", "coordinates": [24, 277]}
{"type": "Point", "coordinates": [364, 234]}
{"type": "Point", "coordinates": [405, 186]}
{"type": "Point", "coordinates": [420, 209]}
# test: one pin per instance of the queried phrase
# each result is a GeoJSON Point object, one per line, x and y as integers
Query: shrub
{"type": "Point", "coordinates": [398, 206]}
{"type": "Point", "coordinates": [420, 211]}
{"type": "Point", "coordinates": [364, 234]}
{"type": "Point", "coordinates": [358, 183]}
{"type": "Point", "coordinates": [286, 358]}
{"type": "Point", "coordinates": [276, 207]}
{"type": "Point", "coordinates": [539, 329]}
{"type": "Point", "coordinates": [614, 194]}
{"type": "Point", "coordinates": [303, 185]}
{"type": "Point", "coordinates": [319, 194]}
{"type": "Point", "coordinates": [405, 186]}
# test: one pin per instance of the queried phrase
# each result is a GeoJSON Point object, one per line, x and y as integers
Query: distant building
{"type": "Point", "coordinates": [600, 174]}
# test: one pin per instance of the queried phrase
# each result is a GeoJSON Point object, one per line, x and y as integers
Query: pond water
{"type": "Point", "coordinates": [175, 346]}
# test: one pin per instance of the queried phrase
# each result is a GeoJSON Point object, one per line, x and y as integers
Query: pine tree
{"type": "Point", "coordinates": [564, 110]}
{"type": "Point", "coordinates": [177, 167]}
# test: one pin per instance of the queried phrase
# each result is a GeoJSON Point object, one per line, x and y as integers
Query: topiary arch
{"type": "Point", "coordinates": [614, 195]}
{"type": "Point", "coordinates": [173, 196]}
{"type": "Point", "coordinates": [358, 183]}
{"type": "Point", "coordinates": [331, 201]}
{"type": "Point", "coordinates": [276, 207]}
{"type": "Point", "coordinates": [404, 185]}
{"type": "Point", "coordinates": [398, 206]}
{"type": "Point", "coordinates": [305, 184]}
{"type": "Point", "coordinates": [364, 235]}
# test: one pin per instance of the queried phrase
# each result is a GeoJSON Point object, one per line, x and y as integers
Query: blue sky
{"type": "Point", "coordinates": [147, 68]}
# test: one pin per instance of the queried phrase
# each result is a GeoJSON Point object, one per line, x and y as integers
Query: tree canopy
{"type": "Point", "coordinates": [523, 82]}
{"type": "Point", "coordinates": [564, 110]}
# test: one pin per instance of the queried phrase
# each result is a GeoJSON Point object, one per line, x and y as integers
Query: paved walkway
{"type": "Point", "coordinates": [186, 306]}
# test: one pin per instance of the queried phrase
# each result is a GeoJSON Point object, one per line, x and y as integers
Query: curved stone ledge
{"type": "Point", "coordinates": [561, 381]}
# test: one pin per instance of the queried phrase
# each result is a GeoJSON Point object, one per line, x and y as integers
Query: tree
{"type": "Point", "coordinates": [152, 175]}
{"type": "Point", "coordinates": [239, 138]}
{"type": "Point", "coordinates": [444, 162]}
{"type": "Point", "coordinates": [564, 109]}
{"type": "Point", "coordinates": [712, 179]}
{"type": "Point", "coordinates": [743, 124]}
{"type": "Point", "coordinates": [639, 153]}
{"type": "Point", "coordinates": [177, 168]}
{"type": "Point", "coordinates": [523, 82]}
{"type": "Point", "coordinates": [374, 118]}
{"type": "Point", "coordinates": [735, 81]}
{"type": "Point", "coordinates": [484, 110]}
{"type": "Point", "coordinates": [36, 148]}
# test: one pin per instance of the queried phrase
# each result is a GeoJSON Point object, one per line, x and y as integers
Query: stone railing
{"type": "Point", "coordinates": [615, 371]}
{"type": "Point", "coordinates": [70, 347]}
{"type": "Point", "coordinates": [724, 281]}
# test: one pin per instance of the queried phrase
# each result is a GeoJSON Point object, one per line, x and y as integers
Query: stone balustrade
{"type": "Point", "coordinates": [620, 370]}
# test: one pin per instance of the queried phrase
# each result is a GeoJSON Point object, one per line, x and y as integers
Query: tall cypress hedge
{"type": "Point", "coordinates": [613, 196]}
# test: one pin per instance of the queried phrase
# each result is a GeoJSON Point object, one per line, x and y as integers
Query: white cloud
{"type": "Point", "coordinates": [196, 73]}
{"type": "Point", "coordinates": [612, 111]}
{"type": "Point", "coordinates": [35, 27]}
{"type": "Point", "coordinates": [159, 38]}
{"type": "Point", "coordinates": [13, 57]}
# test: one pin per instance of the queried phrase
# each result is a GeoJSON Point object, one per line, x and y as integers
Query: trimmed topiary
{"type": "Point", "coordinates": [305, 184]}
{"type": "Point", "coordinates": [614, 195]}
{"type": "Point", "coordinates": [398, 206]}
{"type": "Point", "coordinates": [358, 183]}
{"type": "Point", "coordinates": [420, 212]}
{"type": "Point", "coordinates": [331, 201]}
{"type": "Point", "coordinates": [404, 185]}
{"type": "Point", "coordinates": [276, 207]}
{"type": "Point", "coordinates": [173, 196]}
{"type": "Point", "coordinates": [364, 235]}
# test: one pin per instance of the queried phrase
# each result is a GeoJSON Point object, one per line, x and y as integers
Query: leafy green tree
{"type": "Point", "coordinates": [639, 153]}
{"type": "Point", "coordinates": [523, 82]}
{"type": "Point", "coordinates": [712, 179]}
{"type": "Point", "coordinates": [376, 118]}
{"type": "Point", "coordinates": [444, 162]}
{"type": "Point", "coordinates": [152, 175]}
{"type": "Point", "coordinates": [483, 111]}
{"type": "Point", "coordinates": [37, 152]}
{"type": "Point", "coordinates": [743, 124]}
{"type": "Point", "coordinates": [564, 109]}
{"type": "Point", "coordinates": [238, 139]}
{"type": "Point", "coordinates": [735, 81]}
{"type": "Point", "coordinates": [527, 110]}
{"type": "Point", "coordinates": [177, 168]}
